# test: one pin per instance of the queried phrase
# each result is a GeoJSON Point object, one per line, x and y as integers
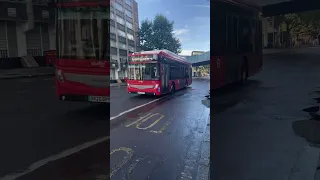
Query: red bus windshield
{"type": "Point", "coordinates": [148, 71]}
{"type": "Point", "coordinates": [82, 33]}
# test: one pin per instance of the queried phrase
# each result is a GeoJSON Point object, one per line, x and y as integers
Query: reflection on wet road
{"type": "Point", "coordinates": [255, 130]}
{"type": "Point", "coordinates": [252, 135]}
{"type": "Point", "coordinates": [35, 126]}
{"type": "Point", "coordinates": [163, 140]}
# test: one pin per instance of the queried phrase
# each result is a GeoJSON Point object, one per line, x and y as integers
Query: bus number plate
{"type": "Point", "coordinates": [141, 92]}
{"type": "Point", "coordinates": [98, 98]}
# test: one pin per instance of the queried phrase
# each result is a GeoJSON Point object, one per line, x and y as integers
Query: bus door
{"type": "Point", "coordinates": [165, 78]}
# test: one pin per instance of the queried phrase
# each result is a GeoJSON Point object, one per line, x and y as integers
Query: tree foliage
{"type": "Point", "coordinates": [311, 20]}
{"type": "Point", "coordinates": [158, 34]}
{"type": "Point", "coordinates": [297, 24]}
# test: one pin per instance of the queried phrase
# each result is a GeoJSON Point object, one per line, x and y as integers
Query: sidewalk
{"type": "Point", "coordinates": [280, 50]}
{"type": "Point", "coordinates": [118, 84]}
{"type": "Point", "coordinates": [26, 72]}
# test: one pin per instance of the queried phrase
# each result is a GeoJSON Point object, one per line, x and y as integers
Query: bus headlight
{"type": "Point", "coordinates": [59, 75]}
{"type": "Point", "coordinates": [128, 84]}
{"type": "Point", "coordinates": [156, 86]}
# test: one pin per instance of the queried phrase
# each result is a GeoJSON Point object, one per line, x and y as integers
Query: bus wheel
{"type": "Point", "coordinates": [173, 88]}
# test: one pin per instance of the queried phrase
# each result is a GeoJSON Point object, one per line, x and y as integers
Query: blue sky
{"type": "Point", "coordinates": [191, 17]}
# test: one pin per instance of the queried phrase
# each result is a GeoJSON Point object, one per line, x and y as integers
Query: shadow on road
{"type": "Point", "coordinates": [91, 113]}
{"type": "Point", "coordinates": [231, 95]}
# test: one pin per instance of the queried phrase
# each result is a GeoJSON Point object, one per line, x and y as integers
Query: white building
{"type": "Point", "coordinates": [268, 32]}
{"type": "Point", "coordinates": [124, 28]}
{"type": "Point", "coordinates": [26, 27]}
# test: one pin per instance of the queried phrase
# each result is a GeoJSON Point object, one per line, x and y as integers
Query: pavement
{"type": "Point", "coordinates": [253, 129]}
{"type": "Point", "coordinates": [36, 127]}
{"type": "Point", "coordinates": [118, 84]}
{"type": "Point", "coordinates": [253, 126]}
{"type": "Point", "coordinates": [26, 72]}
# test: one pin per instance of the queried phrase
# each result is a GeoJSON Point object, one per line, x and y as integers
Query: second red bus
{"type": "Point", "coordinates": [157, 72]}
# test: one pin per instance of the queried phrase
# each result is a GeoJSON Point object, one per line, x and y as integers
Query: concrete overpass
{"type": "Point", "coordinates": [268, 8]}
{"type": "Point", "coordinates": [199, 60]}
{"type": "Point", "coordinates": [277, 7]}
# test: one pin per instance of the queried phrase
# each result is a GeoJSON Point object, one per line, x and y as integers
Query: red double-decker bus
{"type": "Point", "coordinates": [157, 72]}
{"type": "Point", "coordinates": [82, 64]}
{"type": "Point", "coordinates": [236, 42]}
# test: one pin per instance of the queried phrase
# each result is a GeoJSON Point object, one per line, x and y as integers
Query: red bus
{"type": "Point", "coordinates": [157, 72]}
{"type": "Point", "coordinates": [236, 44]}
{"type": "Point", "coordinates": [82, 64]}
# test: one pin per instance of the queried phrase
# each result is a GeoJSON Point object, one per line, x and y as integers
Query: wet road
{"type": "Point", "coordinates": [163, 140]}
{"type": "Point", "coordinates": [252, 134]}
{"type": "Point", "coordinates": [122, 101]}
{"type": "Point", "coordinates": [159, 143]}
{"type": "Point", "coordinates": [34, 125]}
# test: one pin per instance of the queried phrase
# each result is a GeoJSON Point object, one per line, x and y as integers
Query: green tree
{"type": "Point", "coordinates": [312, 21]}
{"type": "Point", "coordinates": [158, 34]}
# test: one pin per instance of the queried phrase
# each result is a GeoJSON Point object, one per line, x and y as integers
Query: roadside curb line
{"type": "Point", "coordinates": [116, 85]}
{"type": "Point", "coordinates": [28, 76]}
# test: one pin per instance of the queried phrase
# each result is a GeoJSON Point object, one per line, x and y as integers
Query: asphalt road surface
{"type": "Point", "coordinates": [168, 139]}
{"type": "Point", "coordinates": [35, 125]}
{"type": "Point", "coordinates": [252, 129]}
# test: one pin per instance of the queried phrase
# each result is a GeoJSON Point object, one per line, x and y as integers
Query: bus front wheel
{"type": "Point", "coordinates": [173, 88]}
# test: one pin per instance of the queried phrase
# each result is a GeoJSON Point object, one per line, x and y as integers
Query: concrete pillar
{"type": "Point", "coordinates": [21, 40]}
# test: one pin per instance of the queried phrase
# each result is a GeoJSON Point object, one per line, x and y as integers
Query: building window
{"type": "Point", "coordinates": [120, 20]}
{"type": "Point", "coordinates": [129, 2]}
{"type": "Point", "coordinates": [122, 45]}
{"type": "Point", "coordinates": [45, 14]}
{"type": "Point", "coordinates": [114, 57]}
{"type": "Point", "coordinates": [130, 36]}
{"type": "Point", "coordinates": [119, 7]}
{"type": "Point", "coordinates": [128, 13]}
{"type": "Point", "coordinates": [12, 12]}
{"type": "Point", "coordinates": [121, 33]}
{"type": "Point", "coordinates": [123, 59]}
{"type": "Point", "coordinates": [111, 15]}
{"type": "Point", "coordinates": [112, 29]}
{"type": "Point", "coordinates": [131, 48]}
{"type": "Point", "coordinates": [129, 25]}
{"type": "Point", "coordinates": [113, 43]}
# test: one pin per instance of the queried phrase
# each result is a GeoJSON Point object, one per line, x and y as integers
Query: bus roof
{"type": "Point", "coordinates": [162, 52]}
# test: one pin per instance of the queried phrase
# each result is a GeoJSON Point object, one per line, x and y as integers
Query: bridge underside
{"type": "Point", "coordinates": [277, 7]}
{"type": "Point", "coordinates": [201, 63]}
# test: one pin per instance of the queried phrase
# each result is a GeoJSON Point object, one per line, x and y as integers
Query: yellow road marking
{"type": "Point", "coordinates": [163, 127]}
{"type": "Point", "coordinates": [135, 122]}
{"type": "Point", "coordinates": [127, 157]}
{"type": "Point", "coordinates": [151, 125]}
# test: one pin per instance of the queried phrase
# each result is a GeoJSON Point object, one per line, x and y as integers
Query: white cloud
{"type": "Point", "coordinates": [182, 31]}
{"type": "Point", "coordinates": [202, 6]}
